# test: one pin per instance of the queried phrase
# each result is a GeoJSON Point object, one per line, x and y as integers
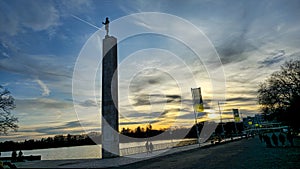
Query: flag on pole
{"type": "Point", "coordinates": [236, 115]}
{"type": "Point", "coordinates": [197, 100]}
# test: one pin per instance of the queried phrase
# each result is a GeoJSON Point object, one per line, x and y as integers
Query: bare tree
{"type": "Point", "coordinates": [279, 95]}
{"type": "Point", "coordinates": [7, 120]}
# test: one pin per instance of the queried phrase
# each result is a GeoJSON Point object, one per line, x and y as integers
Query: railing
{"type": "Point", "coordinates": [161, 146]}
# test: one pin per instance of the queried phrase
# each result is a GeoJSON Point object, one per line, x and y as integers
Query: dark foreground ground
{"type": "Point", "coordinates": [246, 154]}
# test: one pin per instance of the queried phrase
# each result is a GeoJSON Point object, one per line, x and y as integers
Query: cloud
{"type": "Point", "coordinates": [44, 87]}
{"type": "Point", "coordinates": [134, 115]}
{"type": "Point", "coordinates": [147, 78]}
{"type": "Point", "coordinates": [139, 122]}
{"type": "Point", "coordinates": [45, 67]}
{"type": "Point", "coordinates": [64, 128]}
{"type": "Point", "coordinates": [155, 99]}
{"type": "Point", "coordinates": [71, 124]}
{"type": "Point", "coordinates": [76, 5]}
{"type": "Point", "coordinates": [159, 118]}
{"type": "Point", "coordinates": [275, 57]}
{"type": "Point", "coordinates": [5, 52]}
{"type": "Point", "coordinates": [149, 115]}
{"type": "Point", "coordinates": [131, 123]}
{"type": "Point", "coordinates": [240, 99]}
{"type": "Point", "coordinates": [233, 50]}
{"type": "Point", "coordinates": [42, 104]}
{"type": "Point", "coordinates": [190, 116]}
{"type": "Point", "coordinates": [88, 103]}
{"type": "Point", "coordinates": [17, 16]}
{"type": "Point", "coordinates": [174, 96]}
{"type": "Point", "coordinates": [141, 100]}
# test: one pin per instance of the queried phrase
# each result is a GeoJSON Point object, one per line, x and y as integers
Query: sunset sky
{"type": "Point", "coordinates": [50, 51]}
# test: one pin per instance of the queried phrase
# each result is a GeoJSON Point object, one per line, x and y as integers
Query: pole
{"type": "Point", "coordinates": [221, 118]}
{"type": "Point", "coordinates": [196, 119]}
{"type": "Point", "coordinates": [197, 128]}
{"type": "Point", "coordinates": [110, 113]}
{"type": "Point", "coordinates": [235, 128]}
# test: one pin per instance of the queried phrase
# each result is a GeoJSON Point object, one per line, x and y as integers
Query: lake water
{"type": "Point", "coordinates": [93, 151]}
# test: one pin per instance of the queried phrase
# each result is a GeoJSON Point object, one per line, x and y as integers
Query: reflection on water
{"type": "Point", "coordinates": [80, 152]}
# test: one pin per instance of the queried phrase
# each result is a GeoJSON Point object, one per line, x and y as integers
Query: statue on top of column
{"type": "Point", "coordinates": [106, 23]}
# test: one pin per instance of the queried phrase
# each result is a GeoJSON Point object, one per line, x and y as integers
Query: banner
{"type": "Point", "coordinates": [197, 100]}
{"type": "Point", "coordinates": [236, 115]}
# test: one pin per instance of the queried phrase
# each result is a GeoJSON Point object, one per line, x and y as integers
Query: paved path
{"type": "Point", "coordinates": [246, 154]}
{"type": "Point", "coordinates": [239, 154]}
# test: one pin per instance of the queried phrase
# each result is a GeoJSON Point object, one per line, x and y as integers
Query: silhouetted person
{"type": "Point", "coordinates": [106, 23]}
{"type": "Point", "coordinates": [219, 139]}
{"type": "Point", "coordinates": [14, 156]}
{"type": "Point", "coordinates": [289, 137]}
{"type": "Point", "coordinates": [147, 147]}
{"type": "Point", "coordinates": [20, 156]}
{"type": "Point", "coordinates": [267, 141]}
{"type": "Point", "coordinates": [260, 137]}
{"type": "Point", "coordinates": [281, 138]}
{"type": "Point", "coordinates": [151, 147]}
{"type": "Point", "coordinates": [275, 139]}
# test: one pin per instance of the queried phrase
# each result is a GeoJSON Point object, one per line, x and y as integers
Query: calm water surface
{"type": "Point", "coordinates": [79, 152]}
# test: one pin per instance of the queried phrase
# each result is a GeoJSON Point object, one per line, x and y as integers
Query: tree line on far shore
{"type": "Point", "coordinates": [50, 142]}
{"type": "Point", "coordinates": [126, 135]}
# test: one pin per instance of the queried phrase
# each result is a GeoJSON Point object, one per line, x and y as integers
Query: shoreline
{"type": "Point", "coordinates": [96, 144]}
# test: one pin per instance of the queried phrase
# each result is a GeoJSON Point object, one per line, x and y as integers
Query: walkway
{"type": "Point", "coordinates": [239, 154]}
{"type": "Point", "coordinates": [247, 154]}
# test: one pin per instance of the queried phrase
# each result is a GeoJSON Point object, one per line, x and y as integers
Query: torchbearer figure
{"type": "Point", "coordinates": [106, 23]}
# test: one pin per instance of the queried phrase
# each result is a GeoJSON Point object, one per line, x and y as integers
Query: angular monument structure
{"type": "Point", "coordinates": [110, 115]}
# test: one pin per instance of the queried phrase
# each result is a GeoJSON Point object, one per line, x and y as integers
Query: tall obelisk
{"type": "Point", "coordinates": [110, 115]}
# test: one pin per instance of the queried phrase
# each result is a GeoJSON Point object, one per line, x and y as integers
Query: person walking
{"type": "Point", "coordinates": [151, 147]}
{"type": "Point", "coordinates": [147, 146]}
{"type": "Point", "coordinates": [267, 141]}
{"type": "Point", "coordinates": [275, 139]}
{"type": "Point", "coordinates": [281, 139]}
{"type": "Point", "coordinates": [14, 156]}
{"type": "Point", "coordinates": [260, 137]}
{"type": "Point", "coordinates": [289, 137]}
{"type": "Point", "coordinates": [20, 156]}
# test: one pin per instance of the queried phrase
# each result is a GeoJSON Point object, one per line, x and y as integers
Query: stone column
{"type": "Point", "coordinates": [110, 115]}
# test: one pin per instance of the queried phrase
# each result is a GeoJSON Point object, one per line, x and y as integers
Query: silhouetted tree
{"type": "Point", "coordinates": [125, 131]}
{"type": "Point", "coordinates": [7, 120]}
{"type": "Point", "coordinates": [279, 95]}
{"type": "Point", "coordinates": [148, 128]}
